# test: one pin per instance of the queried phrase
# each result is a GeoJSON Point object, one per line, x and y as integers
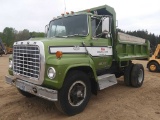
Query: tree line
{"type": "Point", "coordinates": [153, 39]}
{"type": "Point", "coordinates": [11, 35]}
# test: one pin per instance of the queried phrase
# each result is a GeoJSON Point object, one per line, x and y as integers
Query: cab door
{"type": "Point", "coordinates": [100, 46]}
{"type": "Point", "coordinates": [101, 53]}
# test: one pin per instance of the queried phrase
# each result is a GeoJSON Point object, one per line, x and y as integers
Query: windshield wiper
{"type": "Point", "coordinates": [80, 35]}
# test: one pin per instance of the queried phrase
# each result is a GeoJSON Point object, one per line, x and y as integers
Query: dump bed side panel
{"type": "Point", "coordinates": [130, 47]}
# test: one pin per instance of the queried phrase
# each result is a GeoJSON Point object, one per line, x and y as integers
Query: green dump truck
{"type": "Point", "coordinates": [82, 53]}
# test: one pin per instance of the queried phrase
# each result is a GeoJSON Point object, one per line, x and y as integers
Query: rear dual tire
{"type": "Point", "coordinates": [134, 75]}
{"type": "Point", "coordinates": [127, 74]}
{"type": "Point", "coordinates": [137, 75]}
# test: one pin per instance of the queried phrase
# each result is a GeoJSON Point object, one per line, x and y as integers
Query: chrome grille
{"type": "Point", "coordinates": [26, 61]}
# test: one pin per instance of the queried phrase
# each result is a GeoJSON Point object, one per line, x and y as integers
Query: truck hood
{"type": "Point", "coordinates": [60, 41]}
{"type": "Point", "coordinates": [52, 45]}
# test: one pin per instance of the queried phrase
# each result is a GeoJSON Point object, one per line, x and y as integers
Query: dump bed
{"type": "Point", "coordinates": [130, 47]}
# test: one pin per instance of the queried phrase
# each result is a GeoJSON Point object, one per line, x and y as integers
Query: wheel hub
{"type": "Point", "coordinates": [77, 93]}
{"type": "Point", "coordinates": [152, 67]}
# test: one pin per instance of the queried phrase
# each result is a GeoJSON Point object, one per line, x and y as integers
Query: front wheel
{"type": "Point", "coordinates": [74, 94]}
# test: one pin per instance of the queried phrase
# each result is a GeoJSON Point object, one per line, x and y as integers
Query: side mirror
{"type": "Point", "coordinates": [116, 23]}
{"type": "Point", "coordinates": [105, 25]}
{"type": "Point", "coordinates": [46, 30]}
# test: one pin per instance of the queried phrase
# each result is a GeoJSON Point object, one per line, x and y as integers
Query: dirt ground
{"type": "Point", "coordinates": [118, 102]}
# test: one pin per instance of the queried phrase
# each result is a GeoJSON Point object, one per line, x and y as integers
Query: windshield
{"type": "Point", "coordinates": [69, 26]}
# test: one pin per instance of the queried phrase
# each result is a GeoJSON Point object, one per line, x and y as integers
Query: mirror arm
{"type": "Point", "coordinates": [110, 24]}
{"type": "Point", "coordinates": [46, 30]}
{"type": "Point", "coordinates": [116, 23]}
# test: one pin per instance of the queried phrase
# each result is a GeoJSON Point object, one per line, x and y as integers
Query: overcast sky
{"type": "Point", "coordinates": [35, 14]}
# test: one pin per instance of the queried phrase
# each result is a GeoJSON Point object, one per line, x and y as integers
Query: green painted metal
{"type": "Point", "coordinates": [131, 51]}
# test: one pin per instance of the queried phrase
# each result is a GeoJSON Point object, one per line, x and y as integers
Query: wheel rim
{"type": "Point", "coordinates": [140, 76]}
{"type": "Point", "coordinates": [152, 67]}
{"type": "Point", "coordinates": [77, 93]}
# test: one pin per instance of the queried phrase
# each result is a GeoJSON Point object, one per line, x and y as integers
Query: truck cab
{"type": "Point", "coordinates": [86, 31]}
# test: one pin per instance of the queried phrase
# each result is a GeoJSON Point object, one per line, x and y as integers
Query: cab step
{"type": "Point", "coordinates": [106, 80]}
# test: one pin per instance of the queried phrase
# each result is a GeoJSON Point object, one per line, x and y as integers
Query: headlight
{"type": "Point", "coordinates": [10, 64]}
{"type": "Point", "coordinates": [51, 72]}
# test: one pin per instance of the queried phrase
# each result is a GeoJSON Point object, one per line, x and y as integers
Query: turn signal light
{"type": "Point", "coordinates": [59, 54]}
{"type": "Point", "coordinates": [67, 13]}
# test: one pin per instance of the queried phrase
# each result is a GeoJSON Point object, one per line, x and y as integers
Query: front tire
{"type": "Point", "coordinates": [137, 75]}
{"type": "Point", "coordinates": [74, 94]}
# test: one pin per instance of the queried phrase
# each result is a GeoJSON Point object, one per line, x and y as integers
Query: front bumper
{"type": "Point", "coordinates": [42, 92]}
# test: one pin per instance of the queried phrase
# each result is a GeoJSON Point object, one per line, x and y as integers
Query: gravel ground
{"type": "Point", "coordinates": [118, 102]}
